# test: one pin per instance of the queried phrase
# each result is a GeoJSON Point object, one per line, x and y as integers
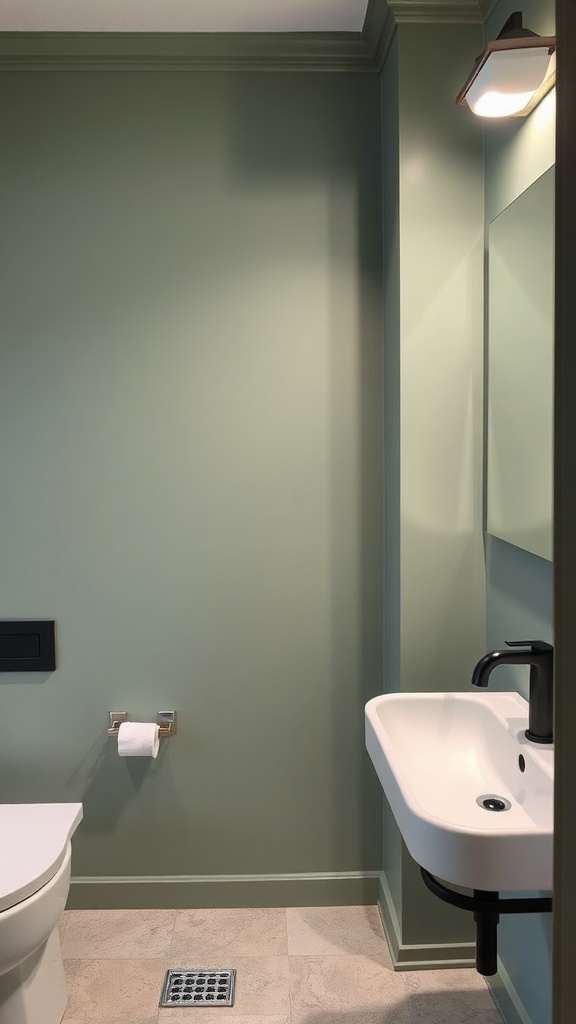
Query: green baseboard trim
{"type": "Point", "coordinates": [506, 997]}
{"type": "Point", "coordinates": [418, 957]}
{"type": "Point", "coordinates": [319, 889]}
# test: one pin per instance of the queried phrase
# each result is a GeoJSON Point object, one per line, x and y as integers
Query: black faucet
{"type": "Point", "coordinates": [540, 657]}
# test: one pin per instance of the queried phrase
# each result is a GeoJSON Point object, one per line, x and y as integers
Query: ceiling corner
{"type": "Point", "coordinates": [378, 30]}
{"type": "Point", "coordinates": [487, 6]}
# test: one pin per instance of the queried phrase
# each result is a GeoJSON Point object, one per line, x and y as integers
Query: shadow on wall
{"type": "Point", "coordinates": [113, 782]}
{"type": "Point", "coordinates": [271, 137]}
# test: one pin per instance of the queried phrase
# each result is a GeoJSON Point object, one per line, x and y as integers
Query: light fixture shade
{"type": "Point", "coordinates": [510, 77]}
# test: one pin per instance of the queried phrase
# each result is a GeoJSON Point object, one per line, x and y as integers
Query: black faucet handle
{"type": "Point", "coordinates": [539, 646]}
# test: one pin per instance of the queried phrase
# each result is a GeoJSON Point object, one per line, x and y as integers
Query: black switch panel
{"type": "Point", "coordinates": [27, 646]}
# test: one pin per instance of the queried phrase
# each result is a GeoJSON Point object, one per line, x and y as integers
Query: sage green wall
{"type": "Point", "coordinates": [441, 365]}
{"type": "Point", "coordinates": [191, 465]}
{"type": "Point", "coordinates": [519, 584]}
{"type": "Point", "coordinates": [434, 598]}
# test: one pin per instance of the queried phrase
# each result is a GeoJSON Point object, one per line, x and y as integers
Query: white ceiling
{"type": "Point", "coordinates": [182, 15]}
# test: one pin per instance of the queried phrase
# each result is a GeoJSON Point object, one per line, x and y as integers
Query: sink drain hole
{"type": "Point", "coordinates": [493, 802]}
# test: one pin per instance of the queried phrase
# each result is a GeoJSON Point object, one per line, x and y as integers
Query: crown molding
{"type": "Point", "coordinates": [382, 17]}
{"type": "Point", "coordinates": [182, 51]}
{"type": "Point", "coordinates": [439, 11]}
{"type": "Point", "coordinates": [363, 51]}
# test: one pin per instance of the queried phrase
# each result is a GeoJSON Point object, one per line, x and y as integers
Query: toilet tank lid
{"type": "Point", "coordinates": [33, 842]}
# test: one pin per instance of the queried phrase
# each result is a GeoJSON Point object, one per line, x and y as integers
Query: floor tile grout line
{"type": "Point", "coordinates": [172, 934]}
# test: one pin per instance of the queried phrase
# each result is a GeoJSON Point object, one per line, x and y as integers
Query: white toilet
{"type": "Point", "coordinates": [34, 882]}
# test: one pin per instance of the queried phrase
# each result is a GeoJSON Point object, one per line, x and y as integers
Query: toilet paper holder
{"type": "Point", "coordinates": [166, 721]}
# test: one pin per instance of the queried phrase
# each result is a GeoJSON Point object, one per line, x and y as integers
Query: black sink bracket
{"type": "Point", "coordinates": [486, 907]}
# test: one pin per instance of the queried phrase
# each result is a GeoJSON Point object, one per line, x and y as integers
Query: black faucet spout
{"type": "Point", "coordinates": [490, 661]}
{"type": "Point", "coordinates": [540, 657]}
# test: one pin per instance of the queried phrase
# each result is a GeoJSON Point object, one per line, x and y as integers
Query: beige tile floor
{"type": "Point", "coordinates": [309, 965]}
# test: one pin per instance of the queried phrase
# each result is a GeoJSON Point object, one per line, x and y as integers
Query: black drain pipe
{"type": "Point", "coordinates": [486, 907]}
{"type": "Point", "coordinates": [486, 936]}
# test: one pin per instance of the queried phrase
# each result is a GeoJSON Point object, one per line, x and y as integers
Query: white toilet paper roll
{"type": "Point", "coordinates": [138, 739]}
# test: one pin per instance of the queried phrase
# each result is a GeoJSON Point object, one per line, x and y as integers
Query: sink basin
{"type": "Point", "coordinates": [437, 755]}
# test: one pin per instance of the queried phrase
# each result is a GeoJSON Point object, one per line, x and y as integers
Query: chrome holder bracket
{"type": "Point", "coordinates": [166, 722]}
{"type": "Point", "coordinates": [115, 719]}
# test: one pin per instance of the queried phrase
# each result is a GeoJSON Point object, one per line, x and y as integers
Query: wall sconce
{"type": "Point", "coordinates": [512, 73]}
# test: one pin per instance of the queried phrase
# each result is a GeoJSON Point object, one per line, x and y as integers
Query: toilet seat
{"type": "Point", "coordinates": [33, 843]}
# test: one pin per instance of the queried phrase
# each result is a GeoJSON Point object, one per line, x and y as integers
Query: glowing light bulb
{"type": "Point", "coordinates": [500, 104]}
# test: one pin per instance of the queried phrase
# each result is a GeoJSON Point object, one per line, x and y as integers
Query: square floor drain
{"type": "Point", "coordinates": [199, 987]}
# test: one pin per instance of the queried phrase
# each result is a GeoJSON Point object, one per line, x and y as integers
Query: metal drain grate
{"type": "Point", "coordinates": [199, 987]}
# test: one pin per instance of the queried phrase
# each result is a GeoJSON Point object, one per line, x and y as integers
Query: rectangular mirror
{"type": "Point", "coordinates": [520, 369]}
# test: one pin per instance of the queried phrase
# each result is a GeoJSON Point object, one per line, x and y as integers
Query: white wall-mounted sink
{"type": "Point", "coordinates": [437, 753]}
